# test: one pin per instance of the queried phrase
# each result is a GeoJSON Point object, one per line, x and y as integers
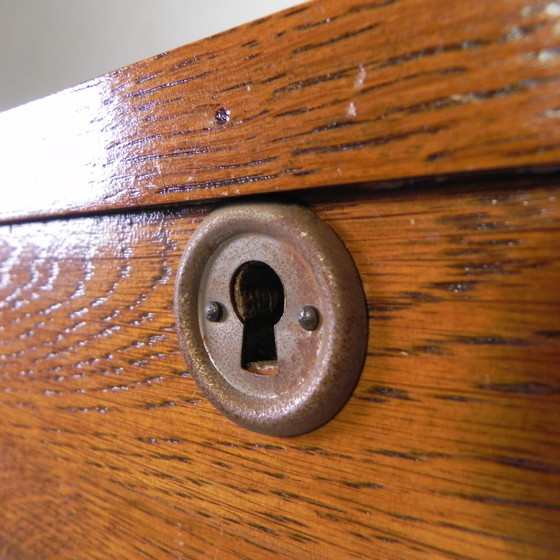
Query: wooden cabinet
{"type": "Point", "coordinates": [427, 136]}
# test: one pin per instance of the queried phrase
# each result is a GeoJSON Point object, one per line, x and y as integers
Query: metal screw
{"type": "Point", "coordinates": [221, 116]}
{"type": "Point", "coordinates": [213, 311]}
{"type": "Point", "coordinates": [308, 318]}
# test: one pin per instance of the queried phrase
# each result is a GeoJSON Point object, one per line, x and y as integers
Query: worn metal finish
{"type": "Point", "coordinates": [316, 369]}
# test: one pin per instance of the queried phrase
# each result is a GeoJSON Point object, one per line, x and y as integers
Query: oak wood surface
{"type": "Point", "coordinates": [328, 93]}
{"type": "Point", "coordinates": [447, 449]}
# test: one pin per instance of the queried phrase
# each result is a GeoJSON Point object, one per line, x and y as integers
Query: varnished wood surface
{"type": "Point", "coordinates": [328, 93]}
{"type": "Point", "coordinates": [448, 448]}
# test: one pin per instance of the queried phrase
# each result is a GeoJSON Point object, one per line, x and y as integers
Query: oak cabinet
{"type": "Point", "coordinates": [428, 139]}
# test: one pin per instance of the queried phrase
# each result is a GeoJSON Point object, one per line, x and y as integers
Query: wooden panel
{"type": "Point", "coordinates": [448, 448]}
{"type": "Point", "coordinates": [329, 93]}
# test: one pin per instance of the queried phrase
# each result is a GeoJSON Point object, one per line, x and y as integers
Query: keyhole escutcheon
{"type": "Point", "coordinates": [271, 316]}
{"type": "Point", "coordinates": [257, 297]}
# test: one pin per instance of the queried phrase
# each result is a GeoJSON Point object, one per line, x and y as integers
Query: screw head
{"type": "Point", "coordinates": [213, 311]}
{"type": "Point", "coordinates": [308, 318]}
{"type": "Point", "coordinates": [221, 116]}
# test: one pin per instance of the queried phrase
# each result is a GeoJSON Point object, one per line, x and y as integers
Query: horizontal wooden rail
{"type": "Point", "coordinates": [328, 93]}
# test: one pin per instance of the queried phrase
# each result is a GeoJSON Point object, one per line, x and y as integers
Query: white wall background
{"type": "Point", "coordinates": [47, 45]}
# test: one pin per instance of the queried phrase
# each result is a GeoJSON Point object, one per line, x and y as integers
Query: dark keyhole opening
{"type": "Point", "coordinates": [257, 296]}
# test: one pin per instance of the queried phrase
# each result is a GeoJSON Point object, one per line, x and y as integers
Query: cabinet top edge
{"type": "Point", "coordinates": [328, 93]}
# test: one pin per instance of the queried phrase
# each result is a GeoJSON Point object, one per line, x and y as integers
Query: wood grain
{"type": "Point", "coordinates": [448, 448]}
{"type": "Point", "coordinates": [328, 93]}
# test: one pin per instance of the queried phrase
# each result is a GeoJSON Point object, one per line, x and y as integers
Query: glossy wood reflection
{"type": "Point", "coordinates": [329, 93]}
{"type": "Point", "coordinates": [448, 448]}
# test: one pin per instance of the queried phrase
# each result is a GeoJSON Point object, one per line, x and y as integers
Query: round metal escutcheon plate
{"type": "Point", "coordinates": [271, 317]}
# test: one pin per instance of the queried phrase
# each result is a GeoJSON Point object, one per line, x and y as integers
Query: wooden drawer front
{"type": "Point", "coordinates": [447, 449]}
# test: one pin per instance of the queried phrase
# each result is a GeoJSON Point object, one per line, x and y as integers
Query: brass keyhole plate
{"type": "Point", "coordinates": [317, 366]}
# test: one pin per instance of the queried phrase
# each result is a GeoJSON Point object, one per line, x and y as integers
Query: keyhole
{"type": "Point", "coordinates": [257, 295]}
